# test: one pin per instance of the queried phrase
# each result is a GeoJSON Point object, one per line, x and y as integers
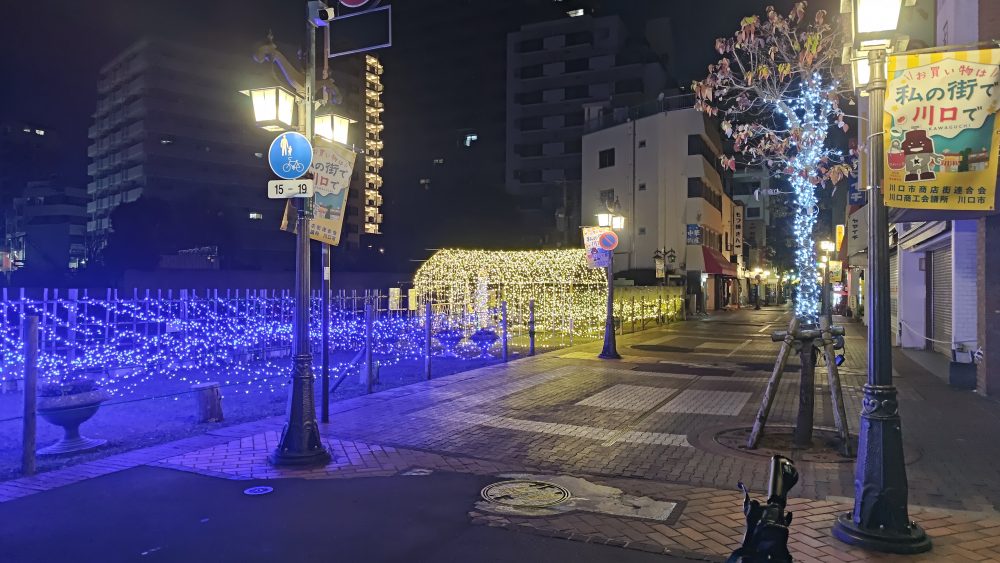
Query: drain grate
{"type": "Point", "coordinates": [523, 493]}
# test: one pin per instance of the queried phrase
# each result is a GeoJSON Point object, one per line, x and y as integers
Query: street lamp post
{"type": "Point", "coordinates": [616, 222]}
{"type": "Point", "coordinates": [300, 443]}
{"type": "Point", "coordinates": [880, 518]}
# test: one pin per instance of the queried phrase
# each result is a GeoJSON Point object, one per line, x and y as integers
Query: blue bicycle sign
{"type": "Point", "coordinates": [290, 155]}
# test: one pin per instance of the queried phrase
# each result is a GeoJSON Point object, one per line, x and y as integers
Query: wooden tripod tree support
{"type": "Point", "coordinates": [806, 342]}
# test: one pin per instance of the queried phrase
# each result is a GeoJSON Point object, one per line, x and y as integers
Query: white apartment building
{"type": "Point", "coordinates": [663, 170]}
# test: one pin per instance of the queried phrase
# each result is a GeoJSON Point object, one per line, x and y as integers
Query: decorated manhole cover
{"type": "Point", "coordinates": [525, 493]}
{"type": "Point", "coordinates": [254, 491]}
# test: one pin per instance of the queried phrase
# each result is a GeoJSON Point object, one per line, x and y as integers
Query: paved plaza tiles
{"type": "Point", "coordinates": [645, 427]}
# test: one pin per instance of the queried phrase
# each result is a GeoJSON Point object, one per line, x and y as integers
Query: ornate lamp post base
{"type": "Point", "coordinates": [880, 520]}
{"type": "Point", "coordinates": [913, 540]}
{"type": "Point", "coordinates": [612, 355]}
{"type": "Point", "coordinates": [300, 443]}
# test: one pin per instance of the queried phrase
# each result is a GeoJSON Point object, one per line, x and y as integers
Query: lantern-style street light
{"type": "Point", "coordinates": [613, 220]}
{"type": "Point", "coordinates": [880, 518]}
{"type": "Point", "coordinates": [273, 107]}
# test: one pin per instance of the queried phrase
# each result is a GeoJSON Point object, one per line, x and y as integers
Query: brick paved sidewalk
{"type": "Point", "coordinates": [644, 425]}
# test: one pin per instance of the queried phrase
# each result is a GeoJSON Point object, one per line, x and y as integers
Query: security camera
{"type": "Point", "coordinates": [320, 13]}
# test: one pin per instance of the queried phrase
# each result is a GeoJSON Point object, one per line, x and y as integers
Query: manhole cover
{"type": "Point", "coordinates": [525, 493]}
{"type": "Point", "coordinates": [254, 491]}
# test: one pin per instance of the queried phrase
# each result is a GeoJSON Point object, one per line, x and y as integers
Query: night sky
{"type": "Point", "coordinates": [57, 52]}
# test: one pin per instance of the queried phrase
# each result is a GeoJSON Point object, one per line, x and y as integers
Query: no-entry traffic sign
{"type": "Point", "coordinates": [608, 240]}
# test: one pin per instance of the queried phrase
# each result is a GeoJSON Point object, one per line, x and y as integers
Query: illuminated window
{"type": "Point", "coordinates": [470, 138]}
{"type": "Point", "coordinates": [575, 13]}
{"type": "Point", "coordinates": [256, 215]}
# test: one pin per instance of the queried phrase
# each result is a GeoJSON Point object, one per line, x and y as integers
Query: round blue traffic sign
{"type": "Point", "coordinates": [608, 240]}
{"type": "Point", "coordinates": [290, 155]}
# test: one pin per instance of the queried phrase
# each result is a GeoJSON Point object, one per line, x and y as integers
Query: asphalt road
{"type": "Point", "coordinates": [152, 515]}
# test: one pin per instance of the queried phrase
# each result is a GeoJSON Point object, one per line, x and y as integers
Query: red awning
{"type": "Point", "coordinates": [716, 263]}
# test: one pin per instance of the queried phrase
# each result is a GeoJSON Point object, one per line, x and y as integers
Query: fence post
{"type": "Point", "coordinates": [633, 313]}
{"type": "Point", "coordinates": [428, 320]}
{"type": "Point", "coordinates": [368, 346]}
{"type": "Point", "coordinates": [503, 328]}
{"type": "Point", "coordinates": [30, 384]}
{"type": "Point", "coordinates": [659, 309]}
{"type": "Point", "coordinates": [531, 327]}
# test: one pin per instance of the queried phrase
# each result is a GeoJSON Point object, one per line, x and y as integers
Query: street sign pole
{"type": "Point", "coordinates": [300, 442]}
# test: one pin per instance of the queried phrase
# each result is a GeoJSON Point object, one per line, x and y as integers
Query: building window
{"type": "Point", "coordinates": [533, 71]}
{"type": "Point", "coordinates": [606, 158]}
{"type": "Point", "coordinates": [529, 45]}
{"type": "Point", "coordinates": [579, 38]}
{"type": "Point", "coordinates": [528, 150]}
{"type": "Point", "coordinates": [642, 144]}
{"type": "Point", "coordinates": [577, 92]}
{"type": "Point", "coordinates": [531, 123]}
{"type": "Point", "coordinates": [526, 98]}
{"type": "Point", "coordinates": [753, 212]}
{"type": "Point", "coordinates": [642, 187]}
{"type": "Point", "coordinates": [642, 230]}
{"type": "Point", "coordinates": [578, 65]}
{"type": "Point", "coordinates": [629, 85]}
{"type": "Point", "coordinates": [256, 215]}
{"type": "Point", "coordinates": [529, 176]}
{"type": "Point", "coordinates": [573, 147]}
{"type": "Point", "coordinates": [573, 119]}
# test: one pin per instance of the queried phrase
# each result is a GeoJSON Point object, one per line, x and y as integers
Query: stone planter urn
{"type": "Point", "coordinates": [69, 405]}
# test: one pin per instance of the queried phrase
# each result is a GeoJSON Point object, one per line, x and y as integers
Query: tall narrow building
{"type": "Point", "coordinates": [554, 70]}
{"type": "Point", "coordinates": [171, 126]}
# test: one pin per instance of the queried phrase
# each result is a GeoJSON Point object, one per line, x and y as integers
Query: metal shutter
{"type": "Point", "coordinates": [894, 296]}
{"type": "Point", "coordinates": [941, 304]}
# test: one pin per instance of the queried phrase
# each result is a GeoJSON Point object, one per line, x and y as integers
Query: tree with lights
{"type": "Point", "coordinates": [775, 92]}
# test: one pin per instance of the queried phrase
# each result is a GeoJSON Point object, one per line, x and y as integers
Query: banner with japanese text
{"type": "Point", "coordinates": [941, 130]}
{"type": "Point", "coordinates": [597, 257]}
{"type": "Point", "coordinates": [331, 169]}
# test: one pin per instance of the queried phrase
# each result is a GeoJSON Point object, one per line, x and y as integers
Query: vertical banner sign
{"type": "Point", "coordinates": [597, 257]}
{"type": "Point", "coordinates": [661, 271]}
{"type": "Point", "coordinates": [857, 239]}
{"type": "Point", "coordinates": [840, 236]}
{"type": "Point", "coordinates": [332, 167]}
{"type": "Point", "coordinates": [941, 130]}
{"type": "Point", "coordinates": [411, 299]}
{"type": "Point", "coordinates": [395, 297]}
{"type": "Point", "coordinates": [738, 230]}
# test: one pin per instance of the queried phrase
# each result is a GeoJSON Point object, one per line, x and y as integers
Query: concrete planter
{"type": "Point", "coordinates": [69, 412]}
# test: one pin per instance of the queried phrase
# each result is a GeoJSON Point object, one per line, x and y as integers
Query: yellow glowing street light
{"type": "Point", "coordinates": [273, 107]}
{"type": "Point", "coordinates": [332, 127]}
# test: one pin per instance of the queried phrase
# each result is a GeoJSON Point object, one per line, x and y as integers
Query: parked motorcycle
{"type": "Point", "coordinates": [766, 538]}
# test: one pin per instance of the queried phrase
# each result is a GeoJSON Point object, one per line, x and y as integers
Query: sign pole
{"type": "Point", "coordinates": [610, 351]}
{"type": "Point", "coordinates": [300, 442]}
{"type": "Point", "coordinates": [880, 519]}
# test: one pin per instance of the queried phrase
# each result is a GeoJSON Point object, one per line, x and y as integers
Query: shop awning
{"type": "Point", "coordinates": [716, 263]}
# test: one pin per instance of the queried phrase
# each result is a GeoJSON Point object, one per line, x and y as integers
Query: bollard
{"type": "Point", "coordinates": [428, 322]}
{"type": "Point", "coordinates": [30, 386]}
{"type": "Point", "coordinates": [531, 327]}
{"type": "Point", "coordinates": [503, 328]}
{"type": "Point", "coordinates": [208, 401]}
{"type": "Point", "coordinates": [368, 375]}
